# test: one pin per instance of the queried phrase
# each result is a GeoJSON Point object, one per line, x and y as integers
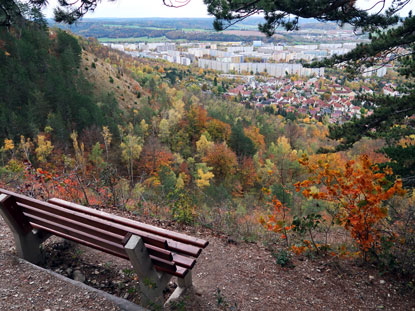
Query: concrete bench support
{"type": "Point", "coordinates": [152, 283]}
{"type": "Point", "coordinates": [27, 240]}
{"type": "Point", "coordinates": [183, 284]}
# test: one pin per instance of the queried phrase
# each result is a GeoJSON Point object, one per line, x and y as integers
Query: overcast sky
{"type": "Point", "coordinates": [155, 8]}
{"type": "Point", "coordinates": [140, 8]}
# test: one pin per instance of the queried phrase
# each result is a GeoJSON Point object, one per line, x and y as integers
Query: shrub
{"type": "Point", "coordinates": [283, 258]}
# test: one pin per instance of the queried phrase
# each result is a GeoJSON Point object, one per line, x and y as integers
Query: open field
{"type": "Point", "coordinates": [134, 40]}
{"type": "Point", "coordinates": [135, 27]}
{"type": "Point", "coordinates": [248, 33]}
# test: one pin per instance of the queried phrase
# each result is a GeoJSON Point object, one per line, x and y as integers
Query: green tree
{"type": "Point", "coordinates": [131, 147]}
{"type": "Point", "coordinates": [287, 13]}
{"type": "Point", "coordinates": [240, 143]}
{"type": "Point", "coordinates": [167, 179]}
{"type": "Point", "coordinates": [41, 85]}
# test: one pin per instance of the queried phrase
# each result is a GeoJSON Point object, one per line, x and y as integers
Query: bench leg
{"type": "Point", "coordinates": [27, 241]}
{"type": "Point", "coordinates": [183, 284]}
{"type": "Point", "coordinates": [29, 247]}
{"type": "Point", "coordinates": [152, 283]}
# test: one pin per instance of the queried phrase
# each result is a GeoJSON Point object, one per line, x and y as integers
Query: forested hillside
{"type": "Point", "coordinates": [159, 139]}
{"type": "Point", "coordinates": [42, 85]}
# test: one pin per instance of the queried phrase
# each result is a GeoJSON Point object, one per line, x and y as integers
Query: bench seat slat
{"type": "Point", "coordinates": [108, 233]}
{"type": "Point", "coordinates": [93, 239]}
{"type": "Point", "coordinates": [159, 256]}
{"type": "Point", "coordinates": [124, 223]}
{"type": "Point", "coordinates": [78, 240]}
{"type": "Point", "coordinates": [184, 261]}
{"type": "Point", "coordinates": [159, 252]}
{"type": "Point", "coordinates": [93, 221]}
{"type": "Point", "coordinates": [169, 265]}
{"type": "Point", "coordinates": [180, 272]}
{"type": "Point", "coordinates": [177, 246]}
{"type": "Point", "coordinates": [116, 238]}
{"type": "Point", "coordinates": [8, 204]}
{"type": "Point", "coordinates": [183, 248]}
{"type": "Point", "coordinates": [117, 228]}
{"type": "Point", "coordinates": [134, 224]}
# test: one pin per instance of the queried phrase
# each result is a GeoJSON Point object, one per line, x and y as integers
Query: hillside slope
{"type": "Point", "coordinates": [107, 78]}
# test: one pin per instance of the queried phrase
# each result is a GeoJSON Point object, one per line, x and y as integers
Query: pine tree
{"type": "Point", "coordinates": [392, 119]}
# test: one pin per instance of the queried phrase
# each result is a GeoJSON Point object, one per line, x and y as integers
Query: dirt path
{"type": "Point", "coordinates": [227, 277]}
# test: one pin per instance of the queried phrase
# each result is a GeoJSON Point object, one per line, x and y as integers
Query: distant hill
{"type": "Point", "coordinates": [190, 29]}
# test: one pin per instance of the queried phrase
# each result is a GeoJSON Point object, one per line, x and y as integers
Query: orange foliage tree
{"type": "Point", "coordinates": [258, 139]}
{"type": "Point", "coordinates": [152, 159]}
{"type": "Point", "coordinates": [358, 190]}
{"type": "Point", "coordinates": [222, 159]}
{"type": "Point", "coordinates": [247, 173]}
{"type": "Point", "coordinates": [196, 121]}
{"type": "Point", "coordinates": [218, 130]}
{"type": "Point", "coordinates": [279, 221]}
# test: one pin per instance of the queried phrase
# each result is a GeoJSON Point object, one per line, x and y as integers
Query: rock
{"type": "Point", "coordinates": [382, 282]}
{"type": "Point", "coordinates": [78, 276]}
{"type": "Point", "coordinates": [68, 271]}
{"type": "Point", "coordinates": [371, 277]}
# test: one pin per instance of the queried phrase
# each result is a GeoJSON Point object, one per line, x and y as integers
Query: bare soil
{"type": "Point", "coordinates": [227, 276]}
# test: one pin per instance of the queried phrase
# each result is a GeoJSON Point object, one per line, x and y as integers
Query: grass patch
{"type": "Point", "coordinates": [138, 39]}
{"type": "Point", "coordinates": [196, 30]}
{"type": "Point", "coordinates": [136, 27]}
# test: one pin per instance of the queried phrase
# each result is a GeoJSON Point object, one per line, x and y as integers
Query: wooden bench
{"type": "Point", "coordinates": [156, 254]}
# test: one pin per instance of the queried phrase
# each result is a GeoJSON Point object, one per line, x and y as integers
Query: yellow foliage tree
{"type": "Point", "coordinates": [176, 113]}
{"type": "Point", "coordinates": [203, 178]}
{"type": "Point", "coordinates": [144, 127]}
{"type": "Point", "coordinates": [203, 145]}
{"type": "Point", "coordinates": [25, 146]}
{"type": "Point", "coordinates": [44, 148]}
{"type": "Point", "coordinates": [164, 129]}
{"type": "Point", "coordinates": [79, 152]}
{"type": "Point", "coordinates": [179, 182]}
{"type": "Point", "coordinates": [8, 144]}
{"type": "Point", "coordinates": [106, 134]}
{"type": "Point", "coordinates": [130, 151]}
{"type": "Point", "coordinates": [253, 133]}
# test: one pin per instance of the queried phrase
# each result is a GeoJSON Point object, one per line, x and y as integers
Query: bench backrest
{"type": "Point", "coordinates": [169, 251]}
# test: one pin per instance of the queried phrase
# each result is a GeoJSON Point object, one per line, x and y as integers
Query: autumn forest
{"type": "Point", "coordinates": [92, 125]}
